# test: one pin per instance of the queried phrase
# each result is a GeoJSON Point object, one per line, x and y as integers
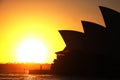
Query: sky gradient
{"type": "Point", "coordinates": [41, 19]}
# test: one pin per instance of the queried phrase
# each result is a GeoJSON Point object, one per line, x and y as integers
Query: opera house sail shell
{"type": "Point", "coordinates": [112, 21]}
{"type": "Point", "coordinates": [73, 38]}
{"type": "Point", "coordinates": [91, 53]}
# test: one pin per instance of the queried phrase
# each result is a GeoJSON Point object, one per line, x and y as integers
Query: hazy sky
{"type": "Point", "coordinates": [41, 19]}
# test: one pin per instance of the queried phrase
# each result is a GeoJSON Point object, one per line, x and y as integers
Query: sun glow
{"type": "Point", "coordinates": [32, 51]}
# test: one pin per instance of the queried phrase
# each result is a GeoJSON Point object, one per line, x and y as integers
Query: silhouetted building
{"type": "Point", "coordinates": [96, 39]}
{"type": "Point", "coordinates": [95, 36]}
{"type": "Point", "coordinates": [112, 21]}
{"type": "Point", "coordinates": [73, 38]}
{"type": "Point", "coordinates": [70, 56]}
{"type": "Point", "coordinates": [91, 53]}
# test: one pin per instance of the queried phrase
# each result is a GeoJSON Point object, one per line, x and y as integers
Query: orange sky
{"type": "Point", "coordinates": [41, 19]}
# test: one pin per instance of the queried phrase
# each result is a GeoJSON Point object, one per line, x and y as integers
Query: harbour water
{"type": "Point", "coordinates": [41, 77]}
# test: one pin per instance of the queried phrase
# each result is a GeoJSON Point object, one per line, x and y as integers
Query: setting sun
{"type": "Point", "coordinates": [29, 29]}
{"type": "Point", "coordinates": [32, 51]}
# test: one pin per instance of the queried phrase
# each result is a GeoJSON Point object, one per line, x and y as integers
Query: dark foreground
{"type": "Point", "coordinates": [42, 77]}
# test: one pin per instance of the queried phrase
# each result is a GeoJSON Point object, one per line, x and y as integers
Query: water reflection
{"type": "Point", "coordinates": [41, 77]}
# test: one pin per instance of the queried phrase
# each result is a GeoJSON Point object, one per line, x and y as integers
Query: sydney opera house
{"type": "Point", "coordinates": [92, 53]}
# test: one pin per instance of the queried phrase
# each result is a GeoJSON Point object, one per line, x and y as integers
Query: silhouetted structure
{"type": "Point", "coordinates": [96, 39]}
{"type": "Point", "coordinates": [73, 38]}
{"type": "Point", "coordinates": [112, 21]}
{"type": "Point", "coordinates": [24, 68]}
{"type": "Point", "coordinates": [75, 44]}
{"type": "Point", "coordinates": [91, 53]}
{"type": "Point", "coordinates": [95, 36]}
